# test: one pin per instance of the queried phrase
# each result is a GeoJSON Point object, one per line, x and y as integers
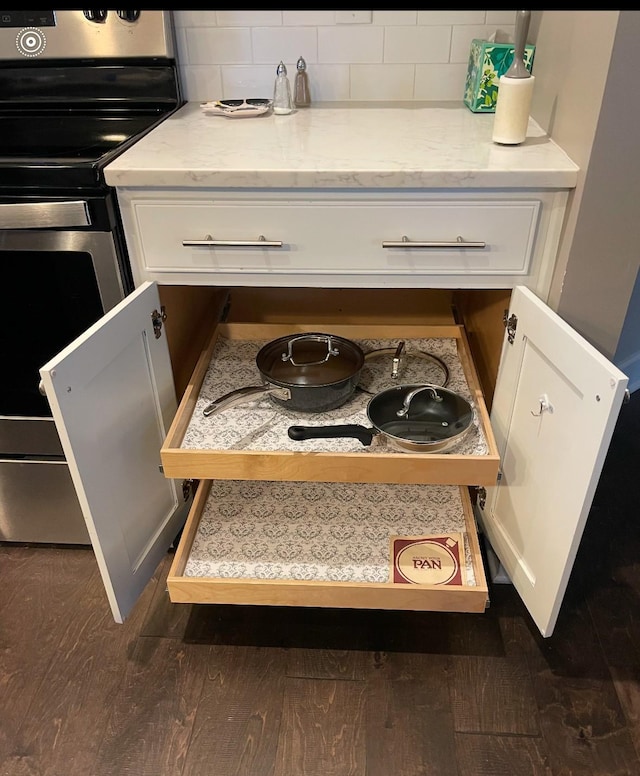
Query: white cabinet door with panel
{"type": "Point", "coordinates": [112, 397]}
{"type": "Point", "coordinates": [107, 430]}
{"type": "Point", "coordinates": [554, 410]}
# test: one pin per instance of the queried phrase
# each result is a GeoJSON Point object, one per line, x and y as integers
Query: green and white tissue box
{"type": "Point", "coordinates": [487, 62]}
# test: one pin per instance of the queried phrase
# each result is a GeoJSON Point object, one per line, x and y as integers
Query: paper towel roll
{"type": "Point", "coordinates": [512, 110]}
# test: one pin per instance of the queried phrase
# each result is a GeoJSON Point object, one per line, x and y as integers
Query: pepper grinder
{"type": "Point", "coordinates": [514, 92]}
{"type": "Point", "coordinates": [282, 102]}
{"type": "Point", "coordinates": [301, 96]}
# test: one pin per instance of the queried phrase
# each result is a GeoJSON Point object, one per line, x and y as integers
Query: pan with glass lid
{"type": "Point", "coordinates": [421, 418]}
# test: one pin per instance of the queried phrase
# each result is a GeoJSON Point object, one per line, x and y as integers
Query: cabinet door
{"type": "Point", "coordinates": [112, 396]}
{"type": "Point", "coordinates": [556, 403]}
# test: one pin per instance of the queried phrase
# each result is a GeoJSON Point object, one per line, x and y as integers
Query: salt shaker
{"type": "Point", "coordinates": [282, 102]}
{"type": "Point", "coordinates": [301, 96]}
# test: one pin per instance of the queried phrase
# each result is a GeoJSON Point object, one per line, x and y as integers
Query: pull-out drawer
{"type": "Point", "coordinates": [275, 239]}
{"type": "Point", "coordinates": [250, 441]}
{"type": "Point", "coordinates": [330, 545]}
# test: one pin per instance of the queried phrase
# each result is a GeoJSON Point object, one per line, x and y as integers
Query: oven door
{"type": "Point", "coordinates": [56, 282]}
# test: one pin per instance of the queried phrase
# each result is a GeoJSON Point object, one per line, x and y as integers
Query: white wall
{"type": "Point", "coordinates": [588, 98]}
{"type": "Point", "coordinates": [397, 55]}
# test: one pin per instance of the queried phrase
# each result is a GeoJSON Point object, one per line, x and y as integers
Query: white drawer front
{"type": "Point", "coordinates": [337, 236]}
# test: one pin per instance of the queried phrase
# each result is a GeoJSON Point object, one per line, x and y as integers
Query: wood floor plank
{"type": "Point", "coordinates": [40, 594]}
{"type": "Point", "coordinates": [164, 618]}
{"type": "Point", "coordinates": [328, 663]}
{"type": "Point", "coordinates": [485, 755]}
{"type": "Point", "coordinates": [615, 611]}
{"type": "Point", "coordinates": [69, 713]}
{"type": "Point", "coordinates": [409, 720]}
{"type": "Point", "coordinates": [474, 634]}
{"type": "Point", "coordinates": [493, 695]}
{"type": "Point", "coordinates": [323, 729]}
{"type": "Point", "coordinates": [337, 629]}
{"type": "Point", "coordinates": [626, 681]}
{"type": "Point", "coordinates": [239, 714]}
{"type": "Point", "coordinates": [581, 718]}
{"type": "Point", "coordinates": [150, 727]}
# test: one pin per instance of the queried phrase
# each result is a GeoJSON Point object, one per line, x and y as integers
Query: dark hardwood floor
{"type": "Point", "coordinates": [184, 690]}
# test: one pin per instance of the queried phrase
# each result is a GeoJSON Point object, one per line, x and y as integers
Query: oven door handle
{"type": "Point", "coordinates": [44, 215]}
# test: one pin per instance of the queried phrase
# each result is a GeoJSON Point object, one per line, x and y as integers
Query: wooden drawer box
{"type": "Point", "coordinates": [277, 524]}
{"type": "Point", "coordinates": [296, 544]}
{"type": "Point", "coordinates": [206, 448]}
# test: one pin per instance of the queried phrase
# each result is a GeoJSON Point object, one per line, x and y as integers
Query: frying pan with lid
{"type": "Point", "coordinates": [416, 418]}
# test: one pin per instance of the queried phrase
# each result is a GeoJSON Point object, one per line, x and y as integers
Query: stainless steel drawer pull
{"type": "Point", "coordinates": [261, 242]}
{"type": "Point", "coordinates": [460, 242]}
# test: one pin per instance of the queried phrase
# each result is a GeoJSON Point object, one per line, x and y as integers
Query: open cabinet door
{"type": "Point", "coordinates": [555, 407]}
{"type": "Point", "coordinates": [112, 396]}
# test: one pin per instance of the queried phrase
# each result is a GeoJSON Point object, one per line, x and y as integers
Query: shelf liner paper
{"type": "Point", "coordinates": [261, 424]}
{"type": "Point", "coordinates": [338, 532]}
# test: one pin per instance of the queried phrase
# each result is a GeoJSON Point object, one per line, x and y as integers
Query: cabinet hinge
{"type": "Point", "coordinates": [511, 324]}
{"type": "Point", "coordinates": [158, 318]}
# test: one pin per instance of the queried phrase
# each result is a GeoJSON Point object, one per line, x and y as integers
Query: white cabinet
{"type": "Point", "coordinates": [555, 407]}
{"type": "Point", "coordinates": [403, 216]}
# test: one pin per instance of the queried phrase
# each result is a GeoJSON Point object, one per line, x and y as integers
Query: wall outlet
{"type": "Point", "coordinates": [353, 17]}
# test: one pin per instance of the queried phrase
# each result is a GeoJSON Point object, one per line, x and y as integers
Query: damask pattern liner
{"type": "Point", "coordinates": [262, 425]}
{"type": "Point", "coordinates": [334, 532]}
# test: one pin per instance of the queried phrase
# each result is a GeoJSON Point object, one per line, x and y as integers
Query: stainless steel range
{"type": "Point", "coordinates": [76, 89]}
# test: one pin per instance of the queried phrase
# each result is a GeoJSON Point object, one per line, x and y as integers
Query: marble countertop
{"type": "Point", "coordinates": [394, 145]}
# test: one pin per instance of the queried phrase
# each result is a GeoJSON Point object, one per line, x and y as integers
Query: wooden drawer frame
{"type": "Point", "coordinates": [361, 595]}
{"type": "Point", "coordinates": [393, 467]}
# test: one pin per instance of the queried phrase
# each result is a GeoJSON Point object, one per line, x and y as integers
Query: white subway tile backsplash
{"type": "Point", "coordinates": [416, 44]}
{"type": "Point", "coordinates": [329, 83]}
{"type": "Point", "coordinates": [249, 18]}
{"type": "Point", "coordinates": [350, 44]}
{"type": "Point", "coordinates": [440, 82]}
{"type": "Point", "coordinates": [272, 44]}
{"type": "Point", "coordinates": [252, 81]}
{"type": "Point", "coordinates": [194, 19]}
{"type": "Point", "coordinates": [382, 82]}
{"type": "Point", "coordinates": [451, 17]}
{"type": "Point", "coordinates": [399, 55]}
{"type": "Point", "coordinates": [308, 18]}
{"type": "Point", "coordinates": [394, 17]}
{"type": "Point", "coordinates": [501, 17]}
{"type": "Point", "coordinates": [201, 83]}
{"type": "Point", "coordinates": [218, 45]}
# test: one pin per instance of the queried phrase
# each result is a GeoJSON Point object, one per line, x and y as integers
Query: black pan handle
{"type": "Point", "coordinates": [300, 433]}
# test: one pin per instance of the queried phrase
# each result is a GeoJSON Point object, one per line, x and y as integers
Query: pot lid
{"type": "Point", "coordinates": [310, 359]}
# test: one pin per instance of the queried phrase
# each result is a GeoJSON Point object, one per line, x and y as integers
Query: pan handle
{"type": "Point", "coordinates": [242, 395]}
{"type": "Point", "coordinates": [300, 433]}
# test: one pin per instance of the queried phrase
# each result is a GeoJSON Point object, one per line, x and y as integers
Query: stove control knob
{"type": "Point", "coordinates": [129, 16]}
{"type": "Point", "coordinates": [95, 16]}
